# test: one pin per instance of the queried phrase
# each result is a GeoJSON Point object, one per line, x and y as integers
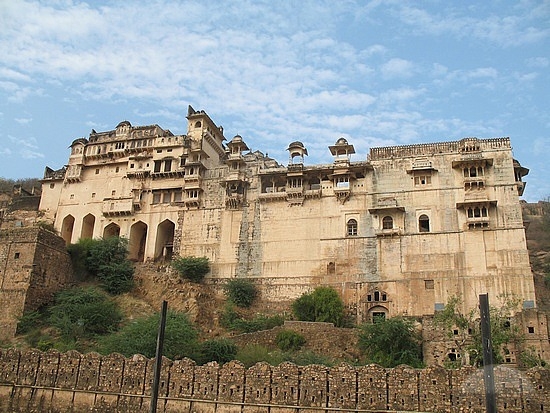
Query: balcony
{"type": "Point", "coordinates": [118, 206]}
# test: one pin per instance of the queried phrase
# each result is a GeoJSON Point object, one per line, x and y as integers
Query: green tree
{"type": "Point", "coordinates": [464, 330]}
{"type": "Point", "coordinates": [84, 312]}
{"type": "Point", "coordinates": [241, 292]}
{"type": "Point", "coordinates": [289, 340]}
{"type": "Point", "coordinates": [221, 350]}
{"type": "Point", "coordinates": [391, 342]}
{"type": "Point", "coordinates": [323, 305]}
{"type": "Point", "coordinates": [192, 268]}
{"type": "Point", "coordinates": [107, 259]}
{"type": "Point", "coordinates": [140, 337]}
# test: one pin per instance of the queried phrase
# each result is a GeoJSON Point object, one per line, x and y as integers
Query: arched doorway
{"type": "Point", "coordinates": [111, 230]}
{"type": "Point", "coordinates": [136, 244]}
{"type": "Point", "coordinates": [164, 243]}
{"type": "Point", "coordinates": [67, 227]}
{"type": "Point", "coordinates": [88, 223]}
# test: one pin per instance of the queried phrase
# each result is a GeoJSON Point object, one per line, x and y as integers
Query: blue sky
{"type": "Point", "coordinates": [376, 72]}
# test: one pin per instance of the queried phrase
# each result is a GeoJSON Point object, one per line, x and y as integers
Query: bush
{"type": "Point", "coordinates": [231, 320]}
{"type": "Point", "coordinates": [84, 312]}
{"type": "Point", "coordinates": [288, 340]}
{"type": "Point", "coordinates": [255, 353]}
{"type": "Point", "coordinates": [391, 343]}
{"type": "Point", "coordinates": [140, 337]}
{"type": "Point", "coordinates": [192, 268]}
{"type": "Point", "coordinates": [241, 292]}
{"type": "Point", "coordinates": [107, 260]}
{"type": "Point", "coordinates": [29, 321]}
{"type": "Point", "coordinates": [221, 350]}
{"type": "Point", "coordinates": [322, 305]}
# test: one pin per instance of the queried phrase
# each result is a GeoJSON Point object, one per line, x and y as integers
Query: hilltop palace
{"type": "Point", "coordinates": [399, 233]}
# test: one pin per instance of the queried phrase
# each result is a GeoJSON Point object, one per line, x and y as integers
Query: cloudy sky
{"type": "Point", "coordinates": [376, 72]}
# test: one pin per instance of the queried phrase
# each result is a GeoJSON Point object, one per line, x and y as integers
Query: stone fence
{"type": "Point", "coordinates": [33, 381]}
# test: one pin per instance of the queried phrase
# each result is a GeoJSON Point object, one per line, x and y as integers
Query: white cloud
{"type": "Point", "coordinates": [397, 68]}
{"type": "Point", "coordinates": [23, 121]}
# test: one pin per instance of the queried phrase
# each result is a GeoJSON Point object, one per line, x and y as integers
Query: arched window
{"type": "Point", "coordinates": [424, 223]}
{"type": "Point", "coordinates": [387, 222]}
{"type": "Point", "coordinates": [198, 124]}
{"type": "Point", "coordinates": [352, 228]}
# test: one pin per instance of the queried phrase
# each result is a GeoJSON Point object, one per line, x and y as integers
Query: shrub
{"type": "Point", "coordinates": [221, 350]}
{"type": "Point", "coordinates": [255, 353]}
{"type": "Point", "coordinates": [107, 260]}
{"type": "Point", "coordinates": [323, 304]}
{"type": "Point", "coordinates": [192, 268]}
{"type": "Point", "coordinates": [231, 320]}
{"type": "Point", "coordinates": [305, 358]}
{"type": "Point", "coordinates": [391, 342]}
{"type": "Point", "coordinates": [84, 312]}
{"type": "Point", "coordinates": [28, 321]}
{"type": "Point", "coordinates": [288, 340]}
{"type": "Point", "coordinates": [241, 292]}
{"type": "Point", "coordinates": [140, 337]}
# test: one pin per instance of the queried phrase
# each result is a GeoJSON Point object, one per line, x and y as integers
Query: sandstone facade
{"type": "Point", "coordinates": [398, 233]}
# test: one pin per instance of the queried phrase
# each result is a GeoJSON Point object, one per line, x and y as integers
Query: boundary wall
{"type": "Point", "coordinates": [34, 381]}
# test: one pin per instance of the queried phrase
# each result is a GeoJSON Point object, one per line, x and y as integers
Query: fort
{"type": "Point", "coordinates": [398, 233]}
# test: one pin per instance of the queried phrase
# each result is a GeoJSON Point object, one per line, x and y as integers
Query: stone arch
{"type": "Point", "coordinates": [136, 243]}
{"type": "Point", "coordinates": [111, 230]}
{"type": "Point", "coordinates": [67, 227]}
{"type": "Point", "coordinates": [88, 223]}
{"type": "Point", "coordinates": [378, 312]}
{"type": "Point", "coordinates": [164, 243]}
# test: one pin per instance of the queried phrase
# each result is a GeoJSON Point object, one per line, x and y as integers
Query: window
{"type": "Point", "coordinates": [131, 166]}
{"type": "Point", "coordinates": [17, 255]}
{"type": "Point", "coordinates": [429, 284]}
{"type": "Point", "coordinates": [473, 172]}
{"type": "Point", "coordinates": [72, 196]}
{"type": "Point", "coordinates": [531, 330]}
{"type": "Point", "coordinates": [97, 171]}
{"type": "Point", "coordinates": [117, 169]}
{"type": "Point", "coordinates": [198, 124]}
{"type": "Point", "coordinates": [422, 180]}
{"type": "Point", "coordinates": [166, 197]}
{"type": "Point", "coordinates": [352, 228]}
{"type": "Point", "coordinates": [93, 195]}
{"type": "Point", "coordinates": [423, 223]}
{"type": "Point", "coordinates": [157, 167]}
{"type": "Point", "coordinates": [52, 186]}
{"type": "Point", "coordinates": [377, 296]}
{"type": "Point", "coordinates": [113, 193]}
{"type": "Point", "coordinates": [387, 222]}
{"type": "Point", "coordinates": [119, 145]}
{"type": "Point", "coordinates": [168, 165]}
{"type": "Point", "coordinates": [156, 198]}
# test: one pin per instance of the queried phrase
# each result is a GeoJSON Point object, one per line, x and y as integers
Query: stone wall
{"type": "Point", "coordinates": [55, 382]}
{"type": "Point", "coordinates": [34, 264]}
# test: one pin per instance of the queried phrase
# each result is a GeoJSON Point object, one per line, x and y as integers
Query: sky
{"type": "Point", "coordinates": [378, 73]}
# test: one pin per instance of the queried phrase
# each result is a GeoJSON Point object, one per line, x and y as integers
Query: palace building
{"type": "Point", "coordinates": [398, 233]}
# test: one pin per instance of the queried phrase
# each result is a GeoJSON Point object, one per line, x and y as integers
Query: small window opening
{"type": "Point", "coordinates": [17, 255]}
{"type": "Point", "coordinates": [424, 223]}
{"type": "Point", "coordinates": [352, 227]}
{"type": "Point", "coordinates": [531, 330]}
{"type": "Point", "coordinates": [387, 222]}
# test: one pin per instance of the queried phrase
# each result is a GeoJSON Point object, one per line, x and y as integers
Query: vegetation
{"type": "Point", "coordinates": [6, 185]}
{"type": "Point", "coordinates": [232, 320]}
{"type": "Point", "coordinates": [241, 292]}
{"type": "Point", "coordinates": [82, 313]}
{"type": "Point", "coordinates": [254, 353]}
{"type": "Point", "coordinates": [192, 268]}
{"type": "Point", "coordinates": [464, 330]}
{"type": "Point", "coordinates": [288, 340]}
{"type": "Point", "coordinates": [323, 304]}
{"type": "Point", "coordinates": [221, 350]}
{"type": "Point", "coordinates": [391, 342]}
{"type": "Point", "coordinates": [140, 337]}
{"type": "Point", "coordinates": [106, 260]}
